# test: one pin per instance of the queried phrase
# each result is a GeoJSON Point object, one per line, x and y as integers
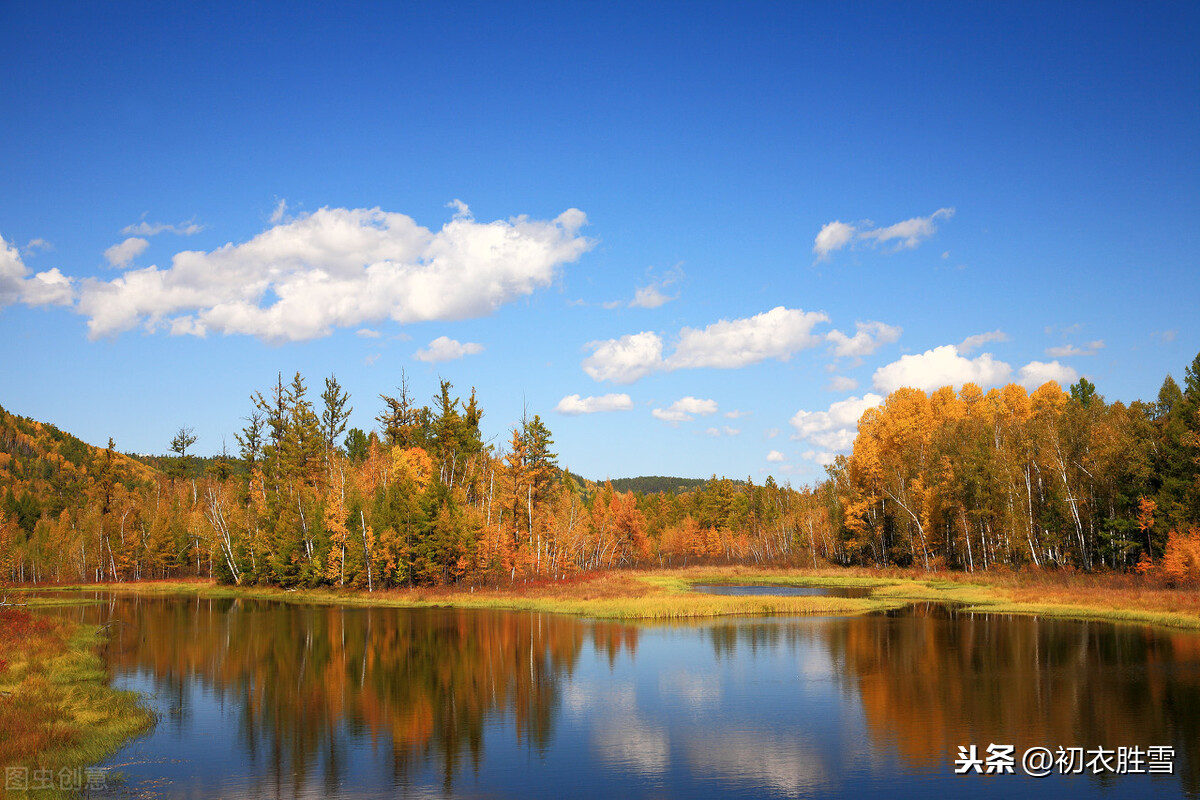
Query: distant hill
{"type": "Point", "coordinates": [652, 484]}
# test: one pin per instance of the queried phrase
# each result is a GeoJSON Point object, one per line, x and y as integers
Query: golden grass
{"type": "Point", "coordinates": [667, 594]}
{"type": "Point", "coordinates": [56, 708]}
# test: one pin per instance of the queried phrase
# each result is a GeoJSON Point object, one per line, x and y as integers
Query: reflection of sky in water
{"type": "Point", "coordinates": [745, 708]}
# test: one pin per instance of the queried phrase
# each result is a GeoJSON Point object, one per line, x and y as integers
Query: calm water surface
{"type": "Point", "coordinates": [261, 699]}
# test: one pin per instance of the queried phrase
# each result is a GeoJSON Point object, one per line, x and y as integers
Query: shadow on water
{"type": "Point", "coordinates": [261, 698]}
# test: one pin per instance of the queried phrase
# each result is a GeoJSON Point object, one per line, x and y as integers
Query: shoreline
{"type": "Point", "coordinates": [665, 594]}
{"type": "Point", "coordinates": [58, 711]}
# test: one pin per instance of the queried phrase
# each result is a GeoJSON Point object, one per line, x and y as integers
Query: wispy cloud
{"type": "Point", "coordinates": [973, 343]}
{"type": "Point", "coordinates": [905, 235]}
{"type": "Point", "coordinates": [1069, 350]}
{"type": "Point", "coordinates": [653, 296]}
{"type": "Point", "coordinates": [143, 228]}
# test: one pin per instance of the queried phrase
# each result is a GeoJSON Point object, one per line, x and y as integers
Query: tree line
{"type": "Point", "coordinates": [954, 479]}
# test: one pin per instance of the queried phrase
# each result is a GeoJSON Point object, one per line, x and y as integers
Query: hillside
{"type": "Point", "coordinates": [44, 469]}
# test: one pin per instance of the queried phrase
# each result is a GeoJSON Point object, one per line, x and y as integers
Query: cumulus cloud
{"type": "Point", "coordinates": [683, 409]}
{"type": "Point", "coordinates": [945, 366]}
{"type": "Point", "coordinates": [870, 336]}
{"type": "Point", "coordinates": [905, 235]}
{"type": "Point", "coordinates": [1068, 350]}
{"type": "Point", "coordinates": [18, 284]}
{"type": "Point", "coordinates": [841, 383]}
{"type": "Point", "coordinates": [626, 359]}
{"type": "Point", "coordinates": [973, 343]}
{"type": "Point", "coordinates": [832, 431]}
{"type": "Point", "coordinates": [832, 236]}
{"type": "Point", "coordinates": [726, 344]}
{"type": "Point", "coordinates": [143, 228]}
{"type": "Point", "coordinates": [1035, 373]}
{"type": "Point", "coordinates": [573, 404]}
{"type": "Point", "coordinates": [368, 333]}
{"type": "Point", "coordinates": [36, 245]}
{"type": "Point", "coordinates": [120, 255]}
{"type": "Point", "coordinates": [736, 414]}
{"type": "Point", "coordinates": [941, 366]}
{"type": "Point", "coordinates": [339, 267]}
{"type": "Point", "coordinates": [737, 343]}
{"type": "Point", "coordinates": [444, 348]}
{"type": "Point", "coordinates": [775, 456]}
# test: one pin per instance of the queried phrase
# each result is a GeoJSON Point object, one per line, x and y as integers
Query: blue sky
{"type": "Point", "coordinates": [695, 238]}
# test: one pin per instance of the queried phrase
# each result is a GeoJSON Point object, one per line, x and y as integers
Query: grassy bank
{"type": "Point", "coordinates": [667, 594]}
{"type": "Point", "coordinates": [57, 711]}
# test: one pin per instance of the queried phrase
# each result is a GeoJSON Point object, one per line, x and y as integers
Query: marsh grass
{"type": "Point", "coordinates": [56, 709]}
{"type": "Point", "coordinates": [668, 594]}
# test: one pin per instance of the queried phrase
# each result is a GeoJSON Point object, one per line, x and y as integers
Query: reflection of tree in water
{"type": "Point", "coordinates": [930, 680]}
{"type": "Point", "coordinates": [311, 680]}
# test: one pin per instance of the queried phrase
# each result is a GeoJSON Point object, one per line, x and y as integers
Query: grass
{"type": "Point", "coordinates": [667, 594]}
{"type": "Point", "coordinates": [57, 711]}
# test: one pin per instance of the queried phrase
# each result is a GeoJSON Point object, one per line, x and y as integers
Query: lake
{"type": "Point", "coordinates": [260, 699]}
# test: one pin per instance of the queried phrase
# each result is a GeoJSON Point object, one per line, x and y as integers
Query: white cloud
{"type": "Point", "coordinates": [444, 348]}
{"type": "Point", "coordinates": [573, 404]}
{"type": "Point", "coordinates": [736, 414]}
{"type": "Point", "coordinates": [832, 431]}
{"type": "Point", "coordinates": [683, 409]}
{"type": "Point", "coordinates": [727, 344]}
{"type": "Point", "coordinates": [120, 255]}
{"type": "Point", "coordinates": [626, 359]}
{"type": "Point", "coordinates": [280, 212]}
{"type": "Point", "coordinates": [17, 285]}
{"type": "Point", "coordinates": [907, 235]}
{"type": "Point", "coordinates": [1068, 350]}
{"type": "Point", "coordinates": [143, 228]}
{"type": "Point", "coordinates": [1036, 373]}
{"type": "Point", "coordinates": [340, 267]}
{"type": "Point", "coordinates": [737, 343]}
{"type": "Point", "coordinates": [368, 333]}
{"type": "Point", "coordinates": [869, 337]}
{"type": "Point", "coordinates": [841, 383]}
{"type": "Point", "coordinates": [973, 343]}
{"type": "Point", "coordinates": [942, 366]}
{"type": "Point", "coordinates": [910, 232]}
{"type": "Point", "coordinates": [775, 456]}
{"type": "Point", "coordinates": [37, 244]}
{"type": "Point", "coordinates": [653, 296]}
{"type": "Point", "coordinates": [832, 236]}
{"type": "Point", "coordinates": [724, 430]}
{"type": "Point", "coordinates": [771, 433]}
{"type": "Point", "coordinates": [649, 297]}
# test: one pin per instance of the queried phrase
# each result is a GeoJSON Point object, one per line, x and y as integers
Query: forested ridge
{"type": "Point", "coordinates": [968, 480]}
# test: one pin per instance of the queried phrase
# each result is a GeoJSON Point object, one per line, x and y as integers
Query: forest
{"type": "Point", "coordinates": [963, 480]}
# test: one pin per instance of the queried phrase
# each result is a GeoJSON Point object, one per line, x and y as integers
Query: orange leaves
{"type": "Point", "coordinates": [1181, 562]}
